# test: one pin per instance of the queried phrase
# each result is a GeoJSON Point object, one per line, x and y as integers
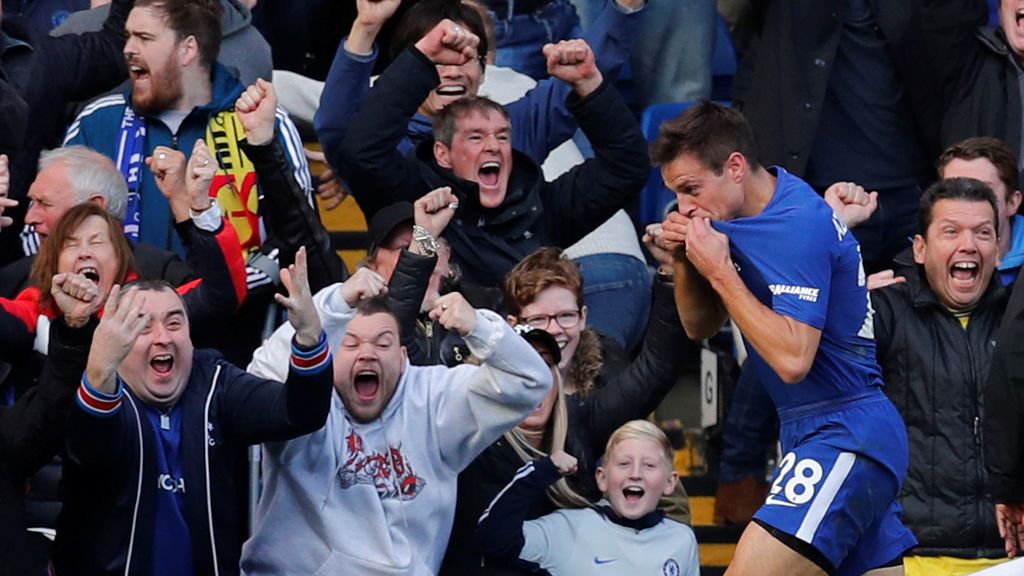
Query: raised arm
{"type": "Point", "coordinates": [481, 403]}
{"type": "Point", "coordinates": [586, 196]}
{"type": "Point", "coordinates": [542, 120]}
{"type": "Point", "coordinates": [787, 345]}
{"type": "Point", "coordinates": [348, 80]}
{"type": "Point", "coordinates": [32, 430]}
{"type": "Point", "coordinates": [96, 427]}
{"type": "Point", "coordinates": [411, 279]}
{"type": "Point", "coordinates": [700, 308]}
{"type": "Point", "coordinates": [212, 248]}
{"type": "Point", "coordinates": [369, 160]}
{"type": "Point", "coordinates": [84, 65]}
{"type": "Point", "coordinates": [335, 306]}
{"type": "Point", "coordinates": [288, 218]}
{"type": "Point", "coordinates": [263, 410]}
{"type": "Point", "coordinates": [502, 530]}
{"type": "Point", "coordinates": [636, 391]}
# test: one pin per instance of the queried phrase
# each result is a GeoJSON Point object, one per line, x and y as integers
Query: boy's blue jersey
{"type": "Point", "coordinates": [799, 259]}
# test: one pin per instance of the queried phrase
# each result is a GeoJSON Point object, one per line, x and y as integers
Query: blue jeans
{"type": "Point", "coordinates": [617, 292]}
{"type": "Point", "coordinates": [672, 55]}
{"type": "Point", "coordinates": [751, 425]}
{"type": "Point", "coordinates": [521, 37]}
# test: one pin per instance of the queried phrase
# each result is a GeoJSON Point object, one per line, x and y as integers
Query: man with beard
{"type": "Point", "coordinates": [179, 93]}
{"type": "Point", "coordinates": [373, 491]}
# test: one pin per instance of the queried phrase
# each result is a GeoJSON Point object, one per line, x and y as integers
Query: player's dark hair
{"type": "Point", "coordinates": [966, 189]}
{"type": "Point", "coordinates": [198, 18]}
{"type": "Point", "coordinates": [446, 119]}
{"type": "Point", "coordinates": [992, 149]}
{"type": "Point", "coordinates": [155, 285]}
{"type": "Point", "coordinates": [708, 131]}
{"type": "Point", "coordinates": [378, 305]}
{"type": "Point", "coordinates": [423, 16]}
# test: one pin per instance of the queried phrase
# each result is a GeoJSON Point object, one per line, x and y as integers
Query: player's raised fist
{"type": "Point", "coordinates": [449, 43]}
{"type": "Point", "coordinates": [572, 61]}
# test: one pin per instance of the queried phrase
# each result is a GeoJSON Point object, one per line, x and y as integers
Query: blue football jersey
{"type": "Point", "coordinates": [799, 259]}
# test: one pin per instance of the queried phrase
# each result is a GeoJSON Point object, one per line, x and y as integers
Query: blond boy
{"type": "Point", "coordinates": [623, 534]}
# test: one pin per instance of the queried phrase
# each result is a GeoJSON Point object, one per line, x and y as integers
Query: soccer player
{"type": "Point", "coordinates": [760, 246]}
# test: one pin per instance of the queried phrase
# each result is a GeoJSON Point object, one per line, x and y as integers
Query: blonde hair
{"type": "Point", "coordinates": [554, 440]}
{"type": "Point", "coordinates": [640, 430]}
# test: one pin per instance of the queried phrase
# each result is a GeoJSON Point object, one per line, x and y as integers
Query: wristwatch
{"type": "Point", "coordinates": [425, 240]}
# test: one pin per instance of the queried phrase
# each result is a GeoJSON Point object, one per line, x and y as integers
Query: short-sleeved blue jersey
{"type": "Point", "coordinates": [798, 258]}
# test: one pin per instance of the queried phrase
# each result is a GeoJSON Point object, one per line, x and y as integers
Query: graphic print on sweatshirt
{"type": "Point", "coordinates": [389, 473]}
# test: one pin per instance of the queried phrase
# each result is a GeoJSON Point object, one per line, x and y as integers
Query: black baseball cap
{"type": "Point", "coordinates": [384, 222]}
{"type": "Point", "coordinates": [540, 338]}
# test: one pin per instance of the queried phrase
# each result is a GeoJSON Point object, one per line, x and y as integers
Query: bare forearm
{"type": "Point", "coordinates": [700, 308]}
{"type": "Point", "coordinates": [361, 38]}
{"type": "Point", "coordinates": [102, 378]}
{"type": "Point", "coordinates": [781, 341]}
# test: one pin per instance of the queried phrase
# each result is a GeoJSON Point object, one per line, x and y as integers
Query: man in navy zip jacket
{"type": "Point", "coordinates": [157, 431]}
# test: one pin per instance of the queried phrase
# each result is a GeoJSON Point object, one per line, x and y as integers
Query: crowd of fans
{"type": "Point", "coordinates": [474, 396]}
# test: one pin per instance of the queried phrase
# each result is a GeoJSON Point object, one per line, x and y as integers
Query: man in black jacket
{"type": "Point", "coordinates": [155, 436]}
{"type": "Point", "coordinates": [506, 209]}
{"type": "Point", "coordinates": [1004, 424]}
{"type": "Point", "coordinates": [47, 74]}
{"type": "Point", "coordinates": [984, 98]}
{"type": "Point", "coordinates": [863, 78]}
{"type": "Point", "coordinates": [32, 429]}
{"type": "Point", "coordinates": [935, 337]}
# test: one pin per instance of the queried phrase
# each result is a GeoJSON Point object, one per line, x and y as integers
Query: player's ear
{"type": "Point", "coordinates": [919, 248]}
{"type": "Point", "coordinates": [602, 479]}
{"type": "Point", "coordinates": [736, 167]}
{"type": "Point", "coordinates": [442, 155]}
{"type": "Point", "coordinates": [670, 484]}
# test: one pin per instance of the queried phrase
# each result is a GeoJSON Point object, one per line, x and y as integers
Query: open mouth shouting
{"type": "Point", "coordinates": [489, 174]}
{"type": "Point", "coordinates": [367, 385]}
{"type": "Point", "coordinates": [451, 91]}
{"type": "Point", "coordinates": [90, 273]}
{"type": "Point", "coordinates": [633, 494]}
{"type": "Point", "coordinates": [162, 364]}
{"type": "Point", "coordinates": [138, 73]}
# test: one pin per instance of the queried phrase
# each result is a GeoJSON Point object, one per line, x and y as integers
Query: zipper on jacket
{"type": "Point", "coordinates": [978, 529]}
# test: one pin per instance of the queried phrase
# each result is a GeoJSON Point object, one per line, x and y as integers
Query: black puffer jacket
{"type": "Point", "coordinates": [934, 371]}
{"type": "Point", "coordinates": [1004, 422]}
{"type": "Point", "coordinates": [986, 100]}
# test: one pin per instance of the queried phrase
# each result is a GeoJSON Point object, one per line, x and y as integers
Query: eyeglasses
{"type": "Point", "coordinates": [566, 320]}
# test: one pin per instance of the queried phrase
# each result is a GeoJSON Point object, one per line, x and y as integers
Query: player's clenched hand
{"type": "Point", "coordinates": [363, 283]}
{"type": "Point", "coordinates": [257, 111]}
{"type": "Point", "coordinates": [449, 44]}
{"type": "Point", "coordinates": [674, 230]}
{"type": "Point", "coordinates": [654, 240]}
{"type": "Point", "coordinates": [77, 297]}
{"type": "Point", "coordinates": [565, 463]}
{"type": "Point", "coordinates": [708, 249]}
{"type": "Point", "coordinates": [572, 62]}
{"type": "Point", "coordinates": [851, 202]}
{"type": "Point", "coordinates": [454, 313]}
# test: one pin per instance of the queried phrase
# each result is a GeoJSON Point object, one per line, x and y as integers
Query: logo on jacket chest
{"type": "Point", "coordinates": [389, 472]}
{"type": "Point", "coordinates": [169, 483]}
